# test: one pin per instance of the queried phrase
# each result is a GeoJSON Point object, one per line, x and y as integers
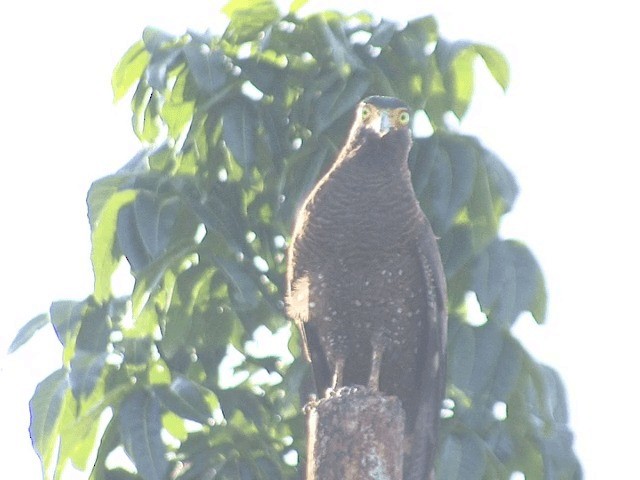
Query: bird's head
{"type": "Point", "coordinates": [383, 114]}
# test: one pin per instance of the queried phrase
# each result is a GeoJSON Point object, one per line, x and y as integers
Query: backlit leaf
{"type": "Point", "coordinates": [45, 407]}
{"type": "Point", "coordinates": [28, 330]}
{"type": "Point", "coordinates": [129, 69]}
{"type": "Point", "coordinates": [496, 63]}
{"type": "Point", "coordinates": [104, 254]}
{"type": "Point", "coordinates": [248, 17]}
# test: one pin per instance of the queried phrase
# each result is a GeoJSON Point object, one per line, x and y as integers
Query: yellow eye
{"type": "Point", "coordinates": [366, 112]}
{"type": "Point", "coordinates": [403, 118]}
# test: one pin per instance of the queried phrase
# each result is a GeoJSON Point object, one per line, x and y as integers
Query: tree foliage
{"type": "Point", "coordinates": [235, 129]}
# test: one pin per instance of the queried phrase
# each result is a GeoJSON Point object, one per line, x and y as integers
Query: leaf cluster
{"type": "Point", "coordinates": [235, 129]}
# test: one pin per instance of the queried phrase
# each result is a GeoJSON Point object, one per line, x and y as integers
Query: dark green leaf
{"type": "Point", "coordinates": [207, 66]}
{"type": "Point", "coordinates": [383, 33]}
{"type": "Point", "coordinates": [443, 172]}
{"type": "Point", "coordinates": [155, 219]}
{"type": "Point", "coordinates": [216, 211]}
{"type": "Point", "coordinates": [243, 287]}
{"type": "Point", "coordinates": [185, 398]}
{"type": "Point", "coordinates": [240, 128]}
{"type": "Point", "coordinates": [120, 474]}
{"type": "Point", "coordinates": [140, 426]}
{"type": "Point", "coordinates": [450, 459]}
{"type": "Point", "coordinates": [502, 182]}
{"type": "Point", "coordinates": [137, 351]}
{"type": "Point", "coordinates": [28, 330]}
{"type": "Point", "coordinates": [95, 328]}
{"type": "Point", "coordinates": [339, 99]}
{"type": "Point", "coordinates": [508, 281]}
{"type": "Point", "coordinates": [130, 241]}
{"type": "Point", "coordinates": [243, 400]}
{"type": "Point", "coordinates": [86, 371]}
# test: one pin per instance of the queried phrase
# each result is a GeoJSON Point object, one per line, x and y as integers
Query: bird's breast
{"type": "Point", "coordinates": [362, 219]}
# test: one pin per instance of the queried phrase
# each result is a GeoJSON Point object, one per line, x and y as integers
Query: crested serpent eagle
{"type": "Point", "coordinates": [365, 282]}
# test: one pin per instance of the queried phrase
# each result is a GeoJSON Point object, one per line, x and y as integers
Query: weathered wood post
{"type": "Point", "coordinates": [355, 436]}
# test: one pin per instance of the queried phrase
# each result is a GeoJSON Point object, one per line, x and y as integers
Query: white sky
{"type": "Point", "coordinates": [567, 128]}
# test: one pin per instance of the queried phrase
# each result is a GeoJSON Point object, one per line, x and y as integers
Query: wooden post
{"type": "Point", "coordinates": [355, 435]}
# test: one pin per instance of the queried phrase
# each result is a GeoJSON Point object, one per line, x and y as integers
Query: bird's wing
{"type": "Point", "coordinates": [297, 303]}
{"type": "Point", "coordinates": [431, 358]}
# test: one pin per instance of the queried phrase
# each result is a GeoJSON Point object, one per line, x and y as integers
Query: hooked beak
{"type": "Point", "coordinates": [384, 124]}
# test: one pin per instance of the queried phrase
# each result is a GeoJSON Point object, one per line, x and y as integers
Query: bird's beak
{"type": "Point", "coordinates": [385, 123]}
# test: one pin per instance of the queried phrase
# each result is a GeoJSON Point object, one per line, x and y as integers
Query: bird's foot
{"type": "Point", "coordinates": [346, 390]}
{"type": "Point", "coordinates": [310, 405]}
{"type": "Point", "coordinates": [353, 389]}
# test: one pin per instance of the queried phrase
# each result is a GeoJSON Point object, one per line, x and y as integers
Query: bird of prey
{"type": "Point", "coordinates": [365, 282]}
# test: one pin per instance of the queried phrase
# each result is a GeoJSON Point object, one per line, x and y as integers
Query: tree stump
{"type": "Point", "coordinates": [355, 435]}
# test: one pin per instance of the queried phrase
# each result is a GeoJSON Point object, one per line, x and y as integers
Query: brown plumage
{"type": "Point", "coordinates": [365, 280]}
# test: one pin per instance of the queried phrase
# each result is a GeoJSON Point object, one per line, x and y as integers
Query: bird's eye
{"type": "Point", "coordinates": [366, 112]}
{"type": "Point", "coordinates": [403, 118]}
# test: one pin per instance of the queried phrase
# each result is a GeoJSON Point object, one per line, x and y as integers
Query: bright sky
{"type": "Point", "coordinates": [567, 129]}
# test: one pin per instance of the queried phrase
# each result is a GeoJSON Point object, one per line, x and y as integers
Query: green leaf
{"type": "Point", "coordinates": [102, 190]}
{"type": "Point", "coordinates": [86, 371]}
{"type": "Point", "coordinates": [95, 328]}
{"type": "Point", "coordinates": [81, 423]}
{"type": "Point", "coordinates": [501, 182]}
{"type": "Point", "coordinates": [244, 289]}
{"type": "Point", "coordinates": [461, 81]}
{"type": "Point", "coordinates": [162, 62]}
{"type": "Point", "coordinates": [136, 351]}
{"type": "Point", "coordinates": [450, 459]}
{"type": "Point", "coordinates": [383, 33]}
{"type": "Point", "coordinates": [444, 169]}
{"type": "Point", "coordinates": [508, 281]}
{"type": "Point", "coordinates": [155, 219]}
{"type": "Point", "coordinates": [109, 441]}
{"type": "Point", "coordinates": [455, 62]}
{"type": "Point", "coordinates": [129, 69]}
{"type": "Point", "coordinates": [496, 63]}
{"type": "Point", "coordinates": [249, 17]}
{"type": "Point", "coordinates": [483, 210]}
{"type": "Point", "coordinates": [104, 256]}
{"type": "Point", "coordinates": [45, 407]}
{"type": "Point", "coordinates": [339, 99]}
{"type": "Point", "coordinates": [28, 330]}
{"type": "Point", "coordinates": [186, 399]}
{"type": "Point", "coordinates": [297, 5]}
{"type": "Point", "coordinates": [65, 316]}
{"type": "Point", "coordinates": [207, 66]}
{"type": "Point", "coordinates": [130, 241]}
{"type": "Point", "coordinates": [140, 425]}
{"type": "Point", "coordinates": [179, 106]}
{"type": "Point", "coordinates": [155, 39]}
{"type": "Point", "coordinates": [240, 128]}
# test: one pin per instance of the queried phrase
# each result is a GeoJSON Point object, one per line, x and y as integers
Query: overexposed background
{"type": "Point", "coordinates": [567, 128]}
